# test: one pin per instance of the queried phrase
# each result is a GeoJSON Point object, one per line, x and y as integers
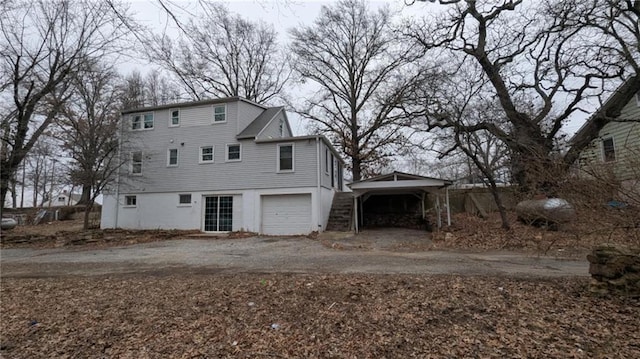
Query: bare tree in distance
{"type": "Point", "coordinates": [223, 54]}
{"type": "Point", "coordinates": [364, 73]}
{"type": "Point", "coordinates": [42, 44]}
{"type": "Point", "coordinates": [538, 66]}
{"type": "Point", "coordinates": [152, 89]}
{"type": "Point", "coordinates": [88, 127]}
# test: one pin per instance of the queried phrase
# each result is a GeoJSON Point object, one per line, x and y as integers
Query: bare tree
{"type": "Point", "coordinates": [88, 127]}
{"type": "Point", "coordinates": [42, 44]}
{"type": "Point", "coordinates": [364, 73]}
{"type": "Point", "coordinates": [540, 64]}
{"type": "Point", "coordinates": [222, 54]}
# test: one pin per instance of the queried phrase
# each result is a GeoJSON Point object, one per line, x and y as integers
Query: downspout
{"type": "Point", "coordinates": [318, 188]}
{"type": "Point", "coordinates": [118, 172]}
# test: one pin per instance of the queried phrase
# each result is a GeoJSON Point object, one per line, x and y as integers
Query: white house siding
{"type": "Point", "coordinates": [626, 138]}
{"type": "Point", "coordinates": [247, 112]}
{"type": "Point", "coordinates": [257, 169]}
{"type": "Point", "coordinates": [272, 130]}
{"type": "Point", "coordinates": [162, 211]}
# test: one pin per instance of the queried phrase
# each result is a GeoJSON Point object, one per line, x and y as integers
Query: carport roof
{"type": "Point", "coordinates": [398, 181]}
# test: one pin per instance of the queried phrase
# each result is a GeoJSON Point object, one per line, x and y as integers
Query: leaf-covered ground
{"type": "Point", "coordinates": [191, 315]}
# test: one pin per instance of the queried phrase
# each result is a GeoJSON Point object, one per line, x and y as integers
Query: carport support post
{"type": "Point", "coordinates": [446, 191]}
{"type": "Point", "coordinates": [439, 218]}
{"type": "Point", "coordinates": [355, 212]}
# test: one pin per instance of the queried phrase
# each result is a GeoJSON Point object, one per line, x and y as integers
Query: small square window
{"type": "Point", "coordinates": [206, 154]}
{"type": "Point", "coordinates": [136, 163]}
{"type": "Point", "coordinates": [136, 122]}
{"type": "Point", "coordinates": [130, 201]}
{"type": "Point", "coordinates": [285, 158]}
{"type": "Point", "coordinates": [61, 199]}
{"type": "Point", "coordinates": [175, 118]}
{"type": "Point", "coordinates": [608, 150]}
{"type": "Point", "coordinates": [172, 157]}
{"type": "Point", "coordinates": [184, 199]}
{"type": "Point", "coordinates": [220, 113]}
{"type": "Point", "coordinates": [233, 153]}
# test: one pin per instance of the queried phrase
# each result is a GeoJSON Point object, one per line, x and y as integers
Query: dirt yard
{"type": "Point", "coordinates": [196, 312]}
{"type": "Point", "coordinates": [196, 315]}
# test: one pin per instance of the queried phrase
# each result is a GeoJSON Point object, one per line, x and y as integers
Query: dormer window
{"type": "Point", "coordinates": [638, 99]}
{"type": "Point", "coordinates": [281, 128]}
{"type": "Point", "coordinates": [219, 113]}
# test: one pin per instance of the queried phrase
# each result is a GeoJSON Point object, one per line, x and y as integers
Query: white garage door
{"type": "Point", "coordinates": [286, 214]}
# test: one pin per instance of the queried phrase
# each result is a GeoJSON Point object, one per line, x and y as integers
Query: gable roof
{"type": "Point", "coordinates": [259, 123]}
{"type": "Point", "coordinates": [402, 176]}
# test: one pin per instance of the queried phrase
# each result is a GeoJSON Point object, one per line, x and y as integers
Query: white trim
{"type": "Point", "coordinates": [213, 116]}
{"type": "Point", "coordinates": [213, 152]}
{"type": "Point", "coordinates": [293, 157]}
{"type": "Point", "coordinates": [142, 115]}
{"type": "Point", "coordinates": [602, 154]}
{"type": "Point", "coordinates": [135, 197]}
{"type": "Point", "coordinates": [185, 204]}
{"type": "Point", "coordinates": [226, 154]}
{"type": "Point", "coordinates": [171, 111]}
{"type": "Point", "coordinates": [131, 163]}
{"type": "Point", "coordinates": [326, 160]}
{"type": "Point", "coordinates": [169, 164]}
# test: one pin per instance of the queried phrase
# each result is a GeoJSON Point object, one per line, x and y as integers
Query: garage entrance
{"type": "Point", "coordinates": [287, 214]}
{"type": "Point", "coordinates": [398, 200]}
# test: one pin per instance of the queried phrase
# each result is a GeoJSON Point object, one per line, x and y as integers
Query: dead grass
{"type": "Point", "coordinates": [321, 316]}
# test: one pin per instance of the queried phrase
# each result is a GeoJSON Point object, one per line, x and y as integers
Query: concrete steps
{"type": "Point", "coordinates": [341, 215]}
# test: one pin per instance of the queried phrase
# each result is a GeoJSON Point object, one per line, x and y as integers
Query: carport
{"type": "Point", "coordinates": [396, 196]}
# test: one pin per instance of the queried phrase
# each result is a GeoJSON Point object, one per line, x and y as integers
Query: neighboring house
{"type": "Point", "coordinates": [221, 165]}
{"type": "Point", "coordinates": [63, 199]}
{"type": "Point", "coordinates": [616, 151]}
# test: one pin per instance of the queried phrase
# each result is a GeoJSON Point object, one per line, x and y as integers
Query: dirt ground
{"type": "Point", "coordinates": [195, 315]}
{"type": "Point", "coordinates": [193, 311]}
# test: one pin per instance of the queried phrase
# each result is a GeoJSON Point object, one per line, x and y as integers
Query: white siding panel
{"type": "Point", "coordinates": [286, 214]}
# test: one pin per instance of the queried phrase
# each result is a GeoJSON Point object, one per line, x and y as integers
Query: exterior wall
{"type": "Point", "coordinates": [325, 173]}
{"type": "Point", "coordinates": [162, 211]}
{"type": "Point", "coordinates": [157, 189]}
{"type": "Point", "coordinates": [626, 139]}
{"type": "Point", "coordinates": [246, 114]}
{"type": "Point", "coordinates": [257, 168]}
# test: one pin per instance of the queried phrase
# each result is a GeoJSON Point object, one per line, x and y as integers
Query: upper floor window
{"type": "Point", "coordinates": [175, 118]}
{"type": "Point", "coordinates": [285, 158]}
{"type": "Point", "coordinates": [206, 154]}
{"type": "Point", "coordinates": [142, 121]}
{"type": "Point", "coordinates": [233, 152]}
{"type": "Point", "coordinates": [136, 163]}
{"type": "Point", "coordinates": [61, 199]}
{"type": "Point", "coordinates": [219, 113]}
{"type": "Point", "coordinates": [172, 157]}
{"type": "Point", "coordinates": [608, 150]}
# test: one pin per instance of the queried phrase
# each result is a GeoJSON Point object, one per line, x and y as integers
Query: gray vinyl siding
{"type": "Point", "coordinates": [256, 170]}
{"type": "Point", "coordinates": [272, 130]}
{"type": "Point", "coordinates": [246, 114]}
{"type": "Point", "coordinates": [626, 138]}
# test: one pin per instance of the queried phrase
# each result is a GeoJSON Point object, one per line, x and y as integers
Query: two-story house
{"type": "Point", "coordinates": [221, 165]}
{"type": "Point", "coordinates": [616, 152]}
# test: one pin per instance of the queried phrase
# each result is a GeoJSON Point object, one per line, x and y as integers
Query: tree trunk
{"type": "Point", "coordinates": [86, 195]}
{"type": "Point", "coordinates": [503, 211]}
{"type": "Point", "coordinates": [87, 212]}
{"type": "Point", "coordinates": [356, 168]}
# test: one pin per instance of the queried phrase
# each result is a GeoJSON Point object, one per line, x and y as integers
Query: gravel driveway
{"type": "Point", "coordinates": [292, 255]}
